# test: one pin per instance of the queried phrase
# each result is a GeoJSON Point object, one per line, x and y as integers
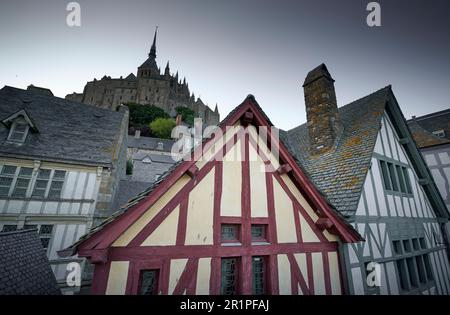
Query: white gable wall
{"type": "Point", "coordinates": [384, 216]}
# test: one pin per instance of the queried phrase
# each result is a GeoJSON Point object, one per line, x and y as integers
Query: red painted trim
{"type": "Point", "coordinates": [134, 274]}
{"type": "Point", "coordinates": [305, 215]}
{"type": "Point", "coordinates": [245, 275]}
{"type": "Point", "coordinates": [188, 278]}
{"type": "Point", "coordinates": [217, 201]}
{"type": "Point", "coordinates": [271, 209]}
{"type": "Point", "coordinates": [230, 220]}
{"type": "Point", "coordinates": [298, 227]}
{"type": "Point", "coordinates": [260, 220]}
{"type": "Point", "coordinates": [297, 276]}
{"type": "Point", "coordinates": [326, 273]}
{"type": "Point", "coordinates": [215, 279]}
{"type": "Point", "coordinates": [191, 251]}
{"type": "Point", "coordinates": [170, 206]}
{"type": "Point", "coordinates": [182, 221]}
{"type": "Point", "coordinates": [273, 275]}
{"type": "Point", "coordinates": [309, 265]}
{"type": "Point", "coordinates": [245, 192]}
{"type": "Point", "coordinates": [100, 279]}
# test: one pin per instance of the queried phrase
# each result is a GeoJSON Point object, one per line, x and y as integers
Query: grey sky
{"type": "Point", "coordinates": [228, 49]}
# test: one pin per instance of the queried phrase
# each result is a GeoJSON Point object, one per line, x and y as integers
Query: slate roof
{"type": "Point", "coordinates": [24, 267]}
{"type": "Point", "coordinates": [128, 189]}
{"type": "Point", "coordinates": [340, 173]}
{"type": "Point", "coordinates": [66, 130]}
{"type": "Point", "coordinates": [422, 128]}
{"type": "Point", "coordinates": [150, 143]}
{"type": "Point", "coordinates": [158, 158]}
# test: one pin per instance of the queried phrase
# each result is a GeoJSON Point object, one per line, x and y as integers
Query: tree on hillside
{"type": "Point", "coordinates": [187, 114]}
{"type": "Point", "coordinates": [142, 115]}
{"type": "Point", "coordinates": [162, 127]}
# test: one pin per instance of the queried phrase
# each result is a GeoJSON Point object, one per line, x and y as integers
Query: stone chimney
{"type": "Point", "coordinates": [137, 134]}
{"type": "Point", "coordinates": [324, 125]}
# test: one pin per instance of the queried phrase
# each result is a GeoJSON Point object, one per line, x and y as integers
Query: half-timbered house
{"type": "Point", "coordinates": [363, 158]}
{"type": "Point", "coordinates": [241, 217]}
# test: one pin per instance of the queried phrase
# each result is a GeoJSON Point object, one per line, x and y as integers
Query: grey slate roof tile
{"type": "Point", "coordinates": [67, 130]}
{"type": "Point", "coordinates": [24, 267]}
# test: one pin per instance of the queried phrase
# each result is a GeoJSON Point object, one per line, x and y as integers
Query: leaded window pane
{"type": "Point", "coordinates": [258, 275]}
{"type": "Point", "coordinates": [229, 275]}
{"type": "Point", "coordinates": [258, 232]}
{"type": "Point", "coordinates": [9, 170]}
{"type": "Point", "coordinates": [229, 232]}
{"type": "Point", "coordinates": [46, 229]}
{"type": "Point", "coordinates": [149, 282]}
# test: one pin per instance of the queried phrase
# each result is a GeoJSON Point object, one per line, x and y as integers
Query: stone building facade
{"type": "Point", "coordinates": [166, 91]}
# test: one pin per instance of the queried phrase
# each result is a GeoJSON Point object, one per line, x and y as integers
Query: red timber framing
{"type": "Point", "coordinates": [98, 247]}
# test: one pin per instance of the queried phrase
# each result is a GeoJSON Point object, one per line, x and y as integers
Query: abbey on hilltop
{"type": "Point", "coordinates": [166, 91]}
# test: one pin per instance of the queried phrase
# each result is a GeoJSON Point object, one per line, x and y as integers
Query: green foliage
{"type": "Point", "coordinates": [187, 114]}
{"type": "Point", "coordinates": [162, 127]}
{"type": "Point", "coordinates": [142, 115]}
{"type": "Point", "coordinates": [129, 167]}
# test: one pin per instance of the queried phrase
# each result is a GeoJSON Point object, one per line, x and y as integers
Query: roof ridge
{"type": "Point", "coordinates": [351, 103]}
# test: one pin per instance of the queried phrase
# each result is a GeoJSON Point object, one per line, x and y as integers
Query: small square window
{"type": "Point", "coordinates": [45, 241]}
{"type": "Point", "coordinates": [46, 229]}
{"type": "Point", "coordinates": [230, 232]}
{"type": "Point", "coordinates": [259, 232]}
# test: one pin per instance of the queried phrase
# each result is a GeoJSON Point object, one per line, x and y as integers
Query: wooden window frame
{"type": "Point", "coordinates": [264, 238]}
{"type": "Point", "coordinates": [238, 233]}
{"type": "Point", "coordinates": [237, 270]}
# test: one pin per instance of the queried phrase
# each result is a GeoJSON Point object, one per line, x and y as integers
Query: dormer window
{"type": "Point", "coordinates": [18, 132]}
{"type": "Point", "coordinates": [439, 133]}
{"type": "Point", "coordinates": [19, 125]}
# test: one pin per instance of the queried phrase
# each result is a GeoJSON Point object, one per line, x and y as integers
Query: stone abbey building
{"type": "Point", "coordinates": [166, 91]}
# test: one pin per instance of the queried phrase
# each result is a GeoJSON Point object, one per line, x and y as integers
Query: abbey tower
{"type": "Point", "coordinates": [150, 86]}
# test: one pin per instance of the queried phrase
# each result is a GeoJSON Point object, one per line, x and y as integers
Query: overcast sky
{"type": "Point", "coordinates": [230, 48]}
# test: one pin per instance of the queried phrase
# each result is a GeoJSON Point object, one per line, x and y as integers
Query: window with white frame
{"type": "Point", "coordinates": [15, 182]}
{"type": "Point", "coordinates": [7, 175]}
{"type": "Point", "coordinates": [57, 184]}
{"type": "Point", "coordinates": [22, 182]}
{"type": "Point", "coordinates": [42, 180]}
{"type": "Point", "coordinates": [18, 131]}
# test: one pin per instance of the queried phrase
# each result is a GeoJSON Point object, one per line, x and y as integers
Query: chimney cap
{"type": "Point", "coordinates": [317, 73]}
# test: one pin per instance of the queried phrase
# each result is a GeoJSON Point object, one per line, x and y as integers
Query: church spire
{"type": "Point", "coordinates": [153, 49]}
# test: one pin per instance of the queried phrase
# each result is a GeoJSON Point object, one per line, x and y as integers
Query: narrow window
{"type": "Point", "coordinates": [407, 181]}
{"type": "Point", "coordinates": [41, 183]}
{"type": "Point", "coordinates": [403, 274]}
{"type": "Point", "coordinates": [397, 247]}
{"type": "Point", "coordinates": [230, 233]}
{"type": "Point", "coordinates": [6, 179]}
{"type": "Point", "coordinates": [57, 184]}
{"type": "Point", "coordinates": [421, 269]}
{"type": "Point", "coordinates": [386, 180]}
{"type": "Point", "coordinates": [18, 132]}
{"type": "Point", "coordinates": [400, 179]}
{"type": "Point", "coordinates": [45, 234]}
{"type": "Point", "coordinates": [259, 275]}
{"type": "Point", "coordinates": [229, 276]}
{"type": "Point", "coordinates": [259, 232]}
{"type": "Point", "coordinates": [149, 282]}
{"type": "Point", "coordinates": [412, 272]}
{"type": "Point", "coordinates": [393, 177]}
{"type": "Point", "coordinates": [426, 260]}
{"type": "Point", "coordinates": [407, 246]}
{"type": "Point", "coordinates": [22, 182]}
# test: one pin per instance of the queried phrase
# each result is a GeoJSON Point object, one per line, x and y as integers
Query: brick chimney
{"type": "Point", "coordinates": [324, 125]}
